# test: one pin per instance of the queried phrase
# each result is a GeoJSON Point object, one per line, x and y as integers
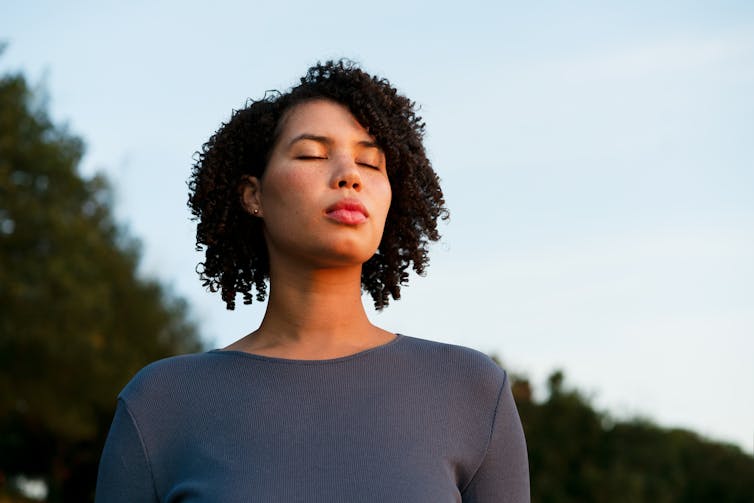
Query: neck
{"type": "Point", "coordinates": [312, 314]}
{"type": "Point", "coordinates": [321, 303]}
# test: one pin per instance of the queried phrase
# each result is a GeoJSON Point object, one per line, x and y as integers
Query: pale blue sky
{"type": "Point", "coordinates": [598, 161]}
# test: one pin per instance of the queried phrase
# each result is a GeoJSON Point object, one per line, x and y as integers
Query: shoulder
{"type": "Point", "coordinates": [459, 366]}
{"type": "Point", "coordinates": [453, 356]}
{"type": "Point", "coordinates": [169, 376]}
{"type": "Point", "coordinates": [469, 393]}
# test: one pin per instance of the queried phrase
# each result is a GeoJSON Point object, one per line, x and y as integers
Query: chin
{"type": "Point", "coordinates": [345, 254]}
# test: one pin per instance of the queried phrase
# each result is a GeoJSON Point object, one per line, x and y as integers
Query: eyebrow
{"type": "Point", "coordinates": [327, 141]}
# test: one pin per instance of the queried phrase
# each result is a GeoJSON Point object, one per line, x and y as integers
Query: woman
{"type": "Point", "coordinates": [323, 191]}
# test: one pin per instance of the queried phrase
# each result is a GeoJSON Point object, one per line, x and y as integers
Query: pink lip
{"type": "Point", "coordinates": [347, 211]}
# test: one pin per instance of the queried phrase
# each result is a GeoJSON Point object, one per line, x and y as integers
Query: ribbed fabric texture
{"type": "Point", "coordinates": [410, 421]}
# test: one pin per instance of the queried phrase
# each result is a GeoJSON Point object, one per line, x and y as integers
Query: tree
{"type": "Point", "coordinates": [76, 321]}
{"type": "Point", "coordinates": [579, 454]}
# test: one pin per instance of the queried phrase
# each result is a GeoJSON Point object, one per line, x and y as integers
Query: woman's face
{"type": "Point", "coordinates": [325, 193]}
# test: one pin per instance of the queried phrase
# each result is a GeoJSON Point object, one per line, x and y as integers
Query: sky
{"type": "Point", "coordinates": [597, 159]}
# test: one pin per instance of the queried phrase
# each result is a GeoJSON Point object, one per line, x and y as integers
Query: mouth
{"type": "Point", "coordinates": [347, 211]}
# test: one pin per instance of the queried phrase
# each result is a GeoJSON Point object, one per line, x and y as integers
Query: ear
{"type": "Point", "coordinates": [250, 192]}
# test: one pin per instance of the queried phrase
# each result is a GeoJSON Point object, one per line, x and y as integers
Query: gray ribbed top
{"type": "Point", "coordinates": [412, 420]}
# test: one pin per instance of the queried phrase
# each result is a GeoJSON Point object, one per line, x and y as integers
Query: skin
{"type": "Point", "coordinates": [322, 156]}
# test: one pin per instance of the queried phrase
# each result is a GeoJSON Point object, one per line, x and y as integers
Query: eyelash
{"type": "Point", "coordinates": [316, 158]}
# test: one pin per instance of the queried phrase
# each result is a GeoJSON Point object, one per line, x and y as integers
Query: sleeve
{"type": "Point", "coordinates": [503, 475]}
{"type": "Point", "coordinates": [124, 471]}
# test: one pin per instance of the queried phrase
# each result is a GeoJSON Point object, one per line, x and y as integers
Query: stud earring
{"type": "Point", "coordinates": [255, 211]}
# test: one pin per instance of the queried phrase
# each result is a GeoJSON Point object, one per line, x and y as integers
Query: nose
{"type": "Point", "coordinates": [346, 175]}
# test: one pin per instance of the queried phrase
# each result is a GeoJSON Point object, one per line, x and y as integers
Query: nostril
{"type": "Point", "coordinates": [342, 183]}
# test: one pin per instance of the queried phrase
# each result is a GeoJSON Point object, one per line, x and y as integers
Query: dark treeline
{"type": "Point", "coordinates": [578, 454]}
{"type": "Point", "coordinates": [77, 321]}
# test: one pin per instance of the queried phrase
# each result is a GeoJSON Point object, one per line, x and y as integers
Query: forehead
{"type": "Point", "coordinates": [321, 117]}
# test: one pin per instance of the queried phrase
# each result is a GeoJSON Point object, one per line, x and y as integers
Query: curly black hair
{"type": "Point", "coordinates": [236, 257]}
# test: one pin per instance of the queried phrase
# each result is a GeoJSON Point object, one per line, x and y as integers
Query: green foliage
{"type": "Point", "coordinates": [76, 322]}
{"type": "Point", "coordinates": [577, 454]}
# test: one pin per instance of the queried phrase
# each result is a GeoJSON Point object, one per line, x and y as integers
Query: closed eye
{"type": "Point", "coordinates": [367, 165]}
{"type": "Point", "coordinates": [309, 157]}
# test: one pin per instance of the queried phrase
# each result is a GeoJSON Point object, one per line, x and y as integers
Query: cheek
{"type": "Point", "coordinates": [381, 200]}
{"type": "Point", "coordinates": [386, 196]}
{"type": "Point", "coordinates": [286, 190]}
